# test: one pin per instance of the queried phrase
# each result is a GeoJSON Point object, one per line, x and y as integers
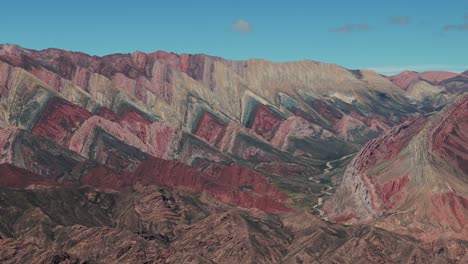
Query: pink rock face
{"type": "Point", "coordinates": [59, 120]}
{"type": "Point", "coordinates": [134, 73]}
{"type": "Point", "coordinates": [125, 148]}
{"type": "Point", "coordinates": [343, 218]}
{"type": "Point", "coordinates": [180, 62]}
{"type": "Point", "coordinates": [437, 77]}
{"type": "Point", "coordinates": [266, 122]}
{"type": "Point", "coordinates": [450, 203]}
{"type": "Point", "coordinates": [450, 136]}
{"type": "Point", "coordinates": [164, 138]}
{"type": "Point", "coordinates": [219, 181]}
{"type": "Point", "coordinates": [130, 120]}
{"type": "Point", "coordinates": [50, 78]}
{"type": "Point", "coordinates": [120, 166]}
{"type": "Point", "coordinates": [210, 128]}
{"type": "Point", "coordinates": [404, 79]}
{"type": "Point", "coordinates": [135, 123]}
{"type": "Point", "coordinates": [391, 192]}
{"type": "Point", "coordinates": [388, 145]}
{"type": "Point", "coordinates": [294, 127]}
{"type": "Point", "coordinates": [373, 123]}
{"type": "Point", "coordinates": [413, 174]}
{"type": "Point", "coordinates": [108, 114]}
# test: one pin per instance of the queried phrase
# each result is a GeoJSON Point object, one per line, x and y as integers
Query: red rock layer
{"type": "Point", "coordinates": [220, 181]}
{"type": "Point", "coordinates": [59, 120]}
{"type": "Point", "coordinates": [326, 111]}
{"type": "Point", "coordinates": [391, 192]}
{"type": "Point", "coordinates": [135, 123]}
{"type": "Point", "coordinates": [387, 145]}
{"type": "Point", "coordinates": [128, 119]}
{"type": "Point", "coordinates": [450, 135]}
{"type": "Point", "coordinates": [106, 178]}
{"type": "Point", "coordinates": [210, 128]}
{"type": "Point", "coordinates": [266, 121]}
{"type": "Point", "coordinates": [437, 77]}
{"type": "Point", "coordinates": [134, 72]}
{"type": "Point", "coordinates": [414, 174]}
{"type": "Point", "coordinates": [296, 127]}
{"type": "Point", "coordinates": [123, 160]}
{"type": "Point", "coordinates": [379, 150]}
{"type": "Point", "coordinates": [404, 79]}
{"type": "Point", "coordinates": [14, 177]}
{"type": "Point", "coordinates": [449, 203]}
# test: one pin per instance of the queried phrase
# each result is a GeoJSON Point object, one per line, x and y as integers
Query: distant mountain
{"type": "Point", "coordinates": [407, 79]}
{"type": "Point", "coordinates": [404, 79]}
{"type": "Point", "coordinates": [173, 158]}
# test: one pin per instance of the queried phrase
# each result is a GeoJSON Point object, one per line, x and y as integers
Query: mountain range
{"type": "Point", "coordinates": [168, 158]}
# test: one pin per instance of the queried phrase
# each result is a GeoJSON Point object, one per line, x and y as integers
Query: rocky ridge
{"type": "Point", "coordinates": [160, 148]}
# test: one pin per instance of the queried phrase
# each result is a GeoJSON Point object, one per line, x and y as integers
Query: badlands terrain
{"type": "Point", "coordinates": [167, 158]}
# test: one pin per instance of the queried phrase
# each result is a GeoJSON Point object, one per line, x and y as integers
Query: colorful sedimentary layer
{"type": "Point", "coordinates": [404, 79]}
{"type": "Point", "coordinates": [415, 174]}
{"type": "Point", "coordinates": [162, 157]}
{"type": "Point", "coordinates": [210, 128]}
{"type": "Point", "coordinates": [265, 122]}
{"type": "Point", "coordinates": [450, 135]}
{"type": "Point", "coordinates": [120, 110]}
{"type": "Point", "coordinates": [59, 120]}
{"type": "Point", "coordinates": [434, 87]}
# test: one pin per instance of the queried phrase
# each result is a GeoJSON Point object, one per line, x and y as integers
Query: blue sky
{"type": "Point", "coordinates": [387, 36]}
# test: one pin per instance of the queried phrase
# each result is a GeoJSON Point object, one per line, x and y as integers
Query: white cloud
{"type": "Point", "coordinates": [459, 27]}
{"type": "Point", "coordinates": [400, 20]}
{"type": "Point", "coordinates": [242, 25]}
{"type": "Point", "coordinates": [351, 28]}
{"type": "Point", "coordinates": [391, 70]}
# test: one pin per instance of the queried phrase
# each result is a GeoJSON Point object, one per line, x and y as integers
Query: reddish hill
{"type": "Point", "coordinates": [415, 174]}
{"type": "Point", "coordinates": [406, 78]}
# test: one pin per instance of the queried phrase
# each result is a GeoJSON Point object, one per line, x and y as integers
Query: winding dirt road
{"type": "Point", "coordinates": [327, 170]}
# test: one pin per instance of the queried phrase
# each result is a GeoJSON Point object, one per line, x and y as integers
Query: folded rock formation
{"type": "Point", "coordinates": [167, 158]}
{"type": "Point", "coordinates": [411, 179]}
